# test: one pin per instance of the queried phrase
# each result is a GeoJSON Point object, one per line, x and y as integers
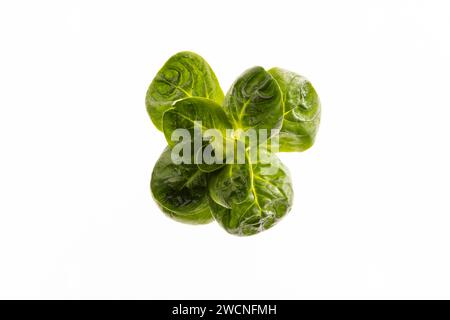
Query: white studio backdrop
{"type": "Point", "coordinates": [371, 214]}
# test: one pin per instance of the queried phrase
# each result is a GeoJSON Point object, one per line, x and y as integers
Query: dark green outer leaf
{"type": "Point", "coordinates": [180, 190]}
{"type": "Point", "coordinates": [185, 74]}
{"type": "Point", "coordinates": [301, 111]}
{"type": "Point", "coordinates": [254, 101]}
{"type": "Point", "coordinates": [246, 200]}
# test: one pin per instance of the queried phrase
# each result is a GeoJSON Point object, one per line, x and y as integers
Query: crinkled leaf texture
{"type": "Point", "coordinates": [181, 191]}
{"type": "Point", "coordinates": [254, 101]}
{"type": "Point", "coordinates": [301, 111]}
{"type": "Point", "coordinates": [185, 74]}
{"type": "Point", "coordinates": [249, 198]}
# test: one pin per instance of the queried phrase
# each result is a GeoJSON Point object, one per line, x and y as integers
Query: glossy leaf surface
{"type": "Point", "coordinates": [204, 115]}
{"type": "Point", "coordinates": [301, 111]}
{"type": "Point", "coordinates": [185, 74]}
{"type": "Point", "coordinates": [249, 198]}
{"type": "Point", "coordinates": [254, 101]}
{"type": "Point", "coordinates": [187, 112]}
{"type": "Point", "coordinates": [181, 191]}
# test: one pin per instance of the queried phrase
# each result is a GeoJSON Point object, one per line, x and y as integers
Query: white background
{"type": "Point", "coordinates": [371, 217]}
